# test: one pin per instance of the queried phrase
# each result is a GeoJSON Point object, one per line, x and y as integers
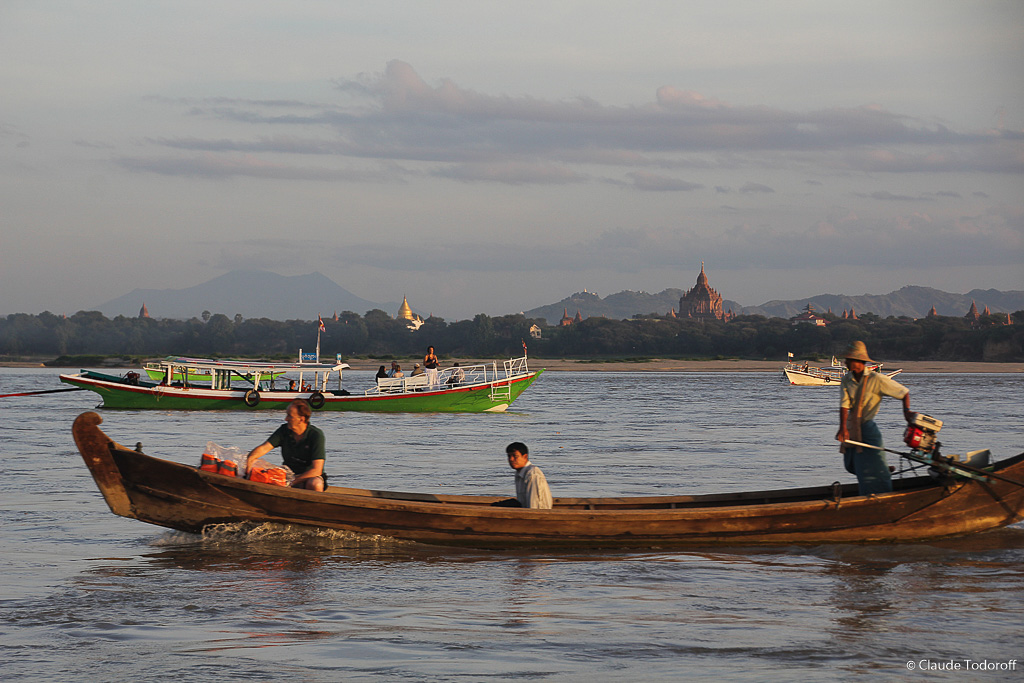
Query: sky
{"type": "Point", "coordinates": [494, 157]}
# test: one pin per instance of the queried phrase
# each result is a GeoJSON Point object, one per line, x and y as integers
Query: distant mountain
{"type": "Point", "coordinates": [911, 301]}
{"type": "Point", "coordinates": [253, 294]}
{"type": "Point", "coordinates": [625, 304]}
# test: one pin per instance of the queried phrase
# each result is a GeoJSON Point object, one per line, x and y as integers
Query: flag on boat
{"type": "Point", "coordinates": [321, 322]}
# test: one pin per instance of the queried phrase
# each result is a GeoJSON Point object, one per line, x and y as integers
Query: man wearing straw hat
{"type": "Point", "coordinates": [861, 394]}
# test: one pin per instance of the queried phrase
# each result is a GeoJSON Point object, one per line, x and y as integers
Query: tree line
{"type": "Point", "coordinates": [377, 335]}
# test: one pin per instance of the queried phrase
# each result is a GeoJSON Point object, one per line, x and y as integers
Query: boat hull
{"type": "Point", "coordinates": [819, 377]}
{"type": "Point", "coordinates": [493, 396]}
{"type": "Point", "coordinates": [178, 496]}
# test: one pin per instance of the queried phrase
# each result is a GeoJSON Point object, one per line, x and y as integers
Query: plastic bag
{"type": "Point", "coordinates": [265, 472]}
{"type": "Point", "coordinates": [224, 452]}
{"type": "Point", "coordinates": [221, 459]}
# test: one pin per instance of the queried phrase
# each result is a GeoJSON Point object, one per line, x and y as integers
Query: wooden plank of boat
{"type": "Point", "coordinates": [184, 497]}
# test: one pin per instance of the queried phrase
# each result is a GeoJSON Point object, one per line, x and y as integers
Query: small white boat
{"type": "Point", "coordinates": [804, 375]}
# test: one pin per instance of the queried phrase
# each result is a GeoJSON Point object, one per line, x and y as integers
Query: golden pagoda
{"type": "Point", "coordinates": [405, 311]}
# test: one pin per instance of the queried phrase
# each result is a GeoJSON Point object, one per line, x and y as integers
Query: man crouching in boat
{"type": "Point", "coordinates": [302, 448]}
{"type": "Point", "coordinates": [861, 394]}
{"type": "Point", "coordinates": [531, 486]}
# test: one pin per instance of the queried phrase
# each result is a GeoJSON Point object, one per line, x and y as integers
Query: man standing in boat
{"type": "Point", "coordinates": [302, 448]}
{"type": "Point", "coordinates": [861, 395]}
{"type": "Point", "coordinates": [531, 485]}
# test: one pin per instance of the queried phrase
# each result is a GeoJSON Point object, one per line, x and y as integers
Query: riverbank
{"type": "Point", "coordinates": [654, 365]}
{"type": "Point", "coordinates": [667, 365]}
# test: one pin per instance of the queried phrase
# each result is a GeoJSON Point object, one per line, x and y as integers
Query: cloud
{"type": "Point", "coordinates": [885, 196]}
{"type": "Point", "coordinates": [13, 134]}
{"type": "Point", "coordinates": [246, 166]}
{"type": "Point", "coordinates": [657, 183]}
{"type": "Point", "coordinates": [994, 238]}
{"type": "Point", "coordinates": [970, 154]}
{"type": "Point", "coordinates": [471, 136]}
{"type": "Point", "coordinates": [512, 173]}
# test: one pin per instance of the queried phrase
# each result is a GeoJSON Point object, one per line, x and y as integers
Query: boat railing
{"type": "Point", "coordinates": [463, 375]}
{"type": "Point", "coordinates": [446, 379]}
{"type": "Point", "coordinates": [451, 377]}
{"type": "Point", "coordinates": [516, 366]}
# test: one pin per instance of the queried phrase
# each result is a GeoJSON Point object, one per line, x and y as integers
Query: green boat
{"type": "Point", "coordinates": [238, 385]}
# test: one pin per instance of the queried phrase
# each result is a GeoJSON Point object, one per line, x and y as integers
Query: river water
{"type": "Point", "coordinates": [88, 596]}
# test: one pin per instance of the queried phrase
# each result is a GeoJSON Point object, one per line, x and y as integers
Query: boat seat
{"type": "Point", "coordinates": [394, 385]}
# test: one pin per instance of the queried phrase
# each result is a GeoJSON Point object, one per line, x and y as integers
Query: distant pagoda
{"type": "Point", "coordinates": [973, 316]}
{"type": "Point", "coordinates": [405, 313]}
{"type": "Point", "coordinates": [702, 301]}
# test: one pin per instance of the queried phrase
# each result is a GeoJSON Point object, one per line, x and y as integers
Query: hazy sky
{"type": "Point", "coordinates": [493, 157]}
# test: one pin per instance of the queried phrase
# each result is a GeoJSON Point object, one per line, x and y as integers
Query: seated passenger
{"type": "Point", "coordinates": [457, 377]}
{"type": "Point", "coordinates": [417, 370]}
{"type": "Point", "coordinates": [302, 448]}
{"type": "Point", "coordinates": [531, 486]}
{"type": "Point", "coordinates": [382, 373]}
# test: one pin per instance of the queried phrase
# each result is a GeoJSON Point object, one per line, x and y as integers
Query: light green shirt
{"type": "Point", "coordinates": [878, 385]}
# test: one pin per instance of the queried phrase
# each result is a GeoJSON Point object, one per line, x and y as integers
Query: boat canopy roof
{"type": "Point", "coordinates": [250, 366]}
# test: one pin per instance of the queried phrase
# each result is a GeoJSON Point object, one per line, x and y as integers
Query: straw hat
{"type": "Point", "coordinates": [857, 351]}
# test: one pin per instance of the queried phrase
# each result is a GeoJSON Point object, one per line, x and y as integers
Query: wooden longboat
{"type": "Point", "coordinates": [183, 497]}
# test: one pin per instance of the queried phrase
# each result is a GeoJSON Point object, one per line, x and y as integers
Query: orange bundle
{"type": "Point", "coordinates": [209, 463]}
{"type": "Point", "coordinates": [271, 475]}
{"type": "Point", "coordinates": [228, 468]}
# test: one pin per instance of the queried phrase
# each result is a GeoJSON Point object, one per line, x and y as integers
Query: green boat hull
{"type": "Point", "coordinates": [495, 396]}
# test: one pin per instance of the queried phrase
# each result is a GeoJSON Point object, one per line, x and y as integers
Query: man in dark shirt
{"type": "Point", "coordinates": [302, 448]}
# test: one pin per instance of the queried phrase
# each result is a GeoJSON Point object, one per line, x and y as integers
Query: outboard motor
{"type": "Point", "coordinates": [921, 431]}
{"type": "Point", "coordinates": [920, 436]}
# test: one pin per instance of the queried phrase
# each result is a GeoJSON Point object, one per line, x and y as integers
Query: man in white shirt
{"type": "Point", "coordinates": [531, 486]}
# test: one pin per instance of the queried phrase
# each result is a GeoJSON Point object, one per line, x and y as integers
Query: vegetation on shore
{"type": "Point", "coordinates": [377, 335]}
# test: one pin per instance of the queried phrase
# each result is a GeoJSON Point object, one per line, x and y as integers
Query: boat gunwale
{"type": "Point", "coordinates": [771, 499]}
{"type": "Point", "coordinates": [172, 494]}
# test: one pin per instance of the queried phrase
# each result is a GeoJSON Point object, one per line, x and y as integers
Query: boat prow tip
{"type": "Point", "coordinates": [88, 419]}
